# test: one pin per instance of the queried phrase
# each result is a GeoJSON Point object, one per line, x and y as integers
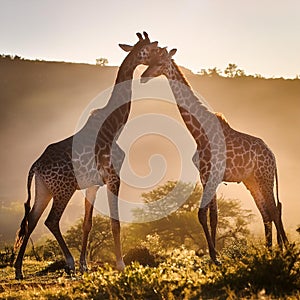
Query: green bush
{"type": "Point", "coordinates": [251, 272]}
{"type": "Point", "coordinates": [7, 257]}
{"type": "Point", "coordinates": [275, 272]}
{"type": "Point", "coordinates": [184, 275]}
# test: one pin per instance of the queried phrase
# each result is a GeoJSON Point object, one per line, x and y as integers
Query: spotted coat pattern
{"type": "Point", "coordinates": [84, 160]}
{"type": "Point", "coordinates": [239, 157]}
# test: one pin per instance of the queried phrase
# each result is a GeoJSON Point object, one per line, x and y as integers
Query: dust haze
{"type": "Point", "coordinates": [41, 103]}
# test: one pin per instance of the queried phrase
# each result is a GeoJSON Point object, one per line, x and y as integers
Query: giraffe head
{"type": "Point", "coordinates": [143, 50]}
{"type": "Point", "coordinates": [161, 64]}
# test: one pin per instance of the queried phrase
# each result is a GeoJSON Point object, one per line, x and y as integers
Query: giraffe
{"type": "Point", "coordinates": [84, 160]}
{"type": "Point", "coordinates": [241, 158]}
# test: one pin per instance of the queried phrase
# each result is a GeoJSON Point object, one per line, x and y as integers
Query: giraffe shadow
{"type": "Point", "coordinates": [59, 265]}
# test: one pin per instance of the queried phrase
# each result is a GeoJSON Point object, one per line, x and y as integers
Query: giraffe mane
{"type": "Point", "coordinates": [222, 119]}
{"type": "Point", "coordinates": [181, 73]}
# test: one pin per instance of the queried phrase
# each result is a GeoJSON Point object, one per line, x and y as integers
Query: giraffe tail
{"type": "Point", "coordinates": [24, 224]}
{"type": "Point", "coordinates": [281, 236]}
{"type": "Point", "coordinates": [279, 205]}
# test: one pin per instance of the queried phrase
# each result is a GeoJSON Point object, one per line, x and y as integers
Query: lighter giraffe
{"type": "Point", "coordinates": [84, 160]}
{"type": "Point", "coordinates": [243, 158]}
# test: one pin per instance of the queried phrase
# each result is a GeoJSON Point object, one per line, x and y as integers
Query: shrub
{"type": "Point", "coordinates": [276, 272]}
{"type": "Point", "coordinates": [183, 275]}
{"type": "Point", "coordinates": [256, 273]}
{"type": "Point", "coordinates": [141, 255]}
{"type": "Point", "coordinates": [7, 257]}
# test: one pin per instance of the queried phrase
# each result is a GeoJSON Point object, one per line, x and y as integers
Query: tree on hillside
{"type": "Point", "coordinates": [214, 72]}
{"type": "Point", "coordinates": [233, 71]}
{"type": "Point", "coordinates": [102, 61]}
{"type": "Point", "coordinates": [203, 72]}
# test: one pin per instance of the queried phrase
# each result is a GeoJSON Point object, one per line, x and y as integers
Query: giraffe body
{"type": "Point", "coordinates": [223, 154]}
{"type": "Point", "coordinates": [84, 160]}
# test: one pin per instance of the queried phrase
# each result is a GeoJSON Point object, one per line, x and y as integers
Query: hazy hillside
{"type": "Point", "coordinates": [41, 102]}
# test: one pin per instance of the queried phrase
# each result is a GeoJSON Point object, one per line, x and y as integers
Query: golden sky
{"type": "Point", "coordinates": [259, 36]}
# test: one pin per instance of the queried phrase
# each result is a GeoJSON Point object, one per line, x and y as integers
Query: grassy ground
{"type": "Point", "coordinates": [257, 274]}
{"type": "Point", "coordinates": [34, 286]}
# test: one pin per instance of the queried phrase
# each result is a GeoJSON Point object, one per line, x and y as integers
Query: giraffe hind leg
{"type": "Point", "coordinates": [282, 234]}
{"type": "Point", "coordinates": [279, 239]}
{"type": "Point", "coordinates": [262, 205]}
{"type": "Point", "coordinates": [276, 215]}
{"type": "Point", "coordinates": [275, 211]}
{"type": "Point", "coordinates": [42, 198]}
{"type": "Point", "coordinates": [52, 222]}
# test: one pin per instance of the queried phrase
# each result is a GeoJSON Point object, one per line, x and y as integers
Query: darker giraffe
{"type": "Point", "coordinates": [88, 159]}
{"type": "Point", "coordinates": [239, 157]}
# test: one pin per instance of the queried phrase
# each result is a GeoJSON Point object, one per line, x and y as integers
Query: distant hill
{"type": "Point", "coordinates": [42, 101]}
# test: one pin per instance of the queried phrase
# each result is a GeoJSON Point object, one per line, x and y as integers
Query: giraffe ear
{"type": "Point", "coordinates": [126, 48]}
{"type": "Point", "coordinates": [154, 44]}
{"type": "Point", "coordinates": [172, 52]}
{"type": "Point", "coordinates": [162, 51]}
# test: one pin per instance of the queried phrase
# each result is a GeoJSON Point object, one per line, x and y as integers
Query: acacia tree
{"type": "Point", "coordinates": [102, 61]}
{"type": "Point", "coordinates": [99, 247]}
{"type": "Point", "coordinates": [213, 72]}
{"type": "Point", "coordinates": [182, 226]}
{"type": "Point", "coordinates": [100, 243]}
{"type": "Point", "coordinates": [174, 227]}
{"type": "Point", "coordinates": [233, 71]}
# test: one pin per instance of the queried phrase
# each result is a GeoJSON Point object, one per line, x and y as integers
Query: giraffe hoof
{"type": "Point", "coordinates": [120, 266]}
{"type": "Point", "coordinates": [83, 268]}
{"type": "Point", "coordinates": [217, 262]}
{"type": "Point", "coordinates": [69, 270]}
{"type": "Point", "coordinates": [19, 275]}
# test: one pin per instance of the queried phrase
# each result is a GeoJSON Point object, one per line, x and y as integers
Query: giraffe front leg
{"type": "Point", "coordinates": [87, 225]}
{"type": "Point", "coordinates": [209, 201]}
{"type": "Point", "coordinates": [213, 218]}
{"type": "Point", "coordinates": [113, 185]}
{"type": "Point", "coordinates": [117, 158]}
{"type": "Point", "coordinates": [115, 224]}
{"type": "Point", "coordinates": [202, 216]}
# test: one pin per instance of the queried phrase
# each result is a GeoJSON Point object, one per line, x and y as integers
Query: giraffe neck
{"type": "Point", "coordinates": [192, 110]}
{"type": "Point", "coordinates": [127, 68]}
{"type": "Point", "coordinates": [122, 91]}
{"type": "Point", "coordinates": [107, 122]}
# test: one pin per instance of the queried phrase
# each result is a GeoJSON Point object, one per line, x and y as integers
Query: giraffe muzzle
{"type": "Point", "coordinates": [145, 79]}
